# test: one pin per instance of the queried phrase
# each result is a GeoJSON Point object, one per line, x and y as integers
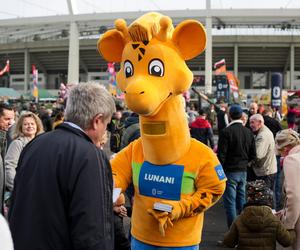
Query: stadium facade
{"type": "Point", "coordinates": [254, 43]}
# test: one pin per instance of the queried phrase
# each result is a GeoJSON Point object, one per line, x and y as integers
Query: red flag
{"type": "Point", "coordinates": [233, 81]}
{"type": "Point", "coordinates": [234, 86]}
{"type": "Point", "coordinates": [5, 69]}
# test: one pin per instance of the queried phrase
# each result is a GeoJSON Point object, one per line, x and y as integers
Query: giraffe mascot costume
{"type": "Point", "coordinates": [165, 165]}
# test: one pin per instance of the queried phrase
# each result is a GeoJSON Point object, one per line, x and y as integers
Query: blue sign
{"type": "Point", "coordinates": [276, 90]}
{"type": "Point", "coordinates": [222, 88]}
{"type": "Point", "coordinates": [220, 172]}
{"type": "Point", "coordinates": [161, 181]}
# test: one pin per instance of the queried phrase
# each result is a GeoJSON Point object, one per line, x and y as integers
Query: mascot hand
{"type": "Point", "coordinates": [163, 219]}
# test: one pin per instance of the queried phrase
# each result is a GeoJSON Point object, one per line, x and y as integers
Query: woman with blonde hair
{"type": "Point", "coordinates": [288, 145]}
{"type": "Point", "coordinates": [27, 127]}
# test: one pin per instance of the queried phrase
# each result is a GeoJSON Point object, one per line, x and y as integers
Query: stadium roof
{"type": "Point", "coordinates": [46, 37]}
{"type": "Point", "coordinates": [268, 21]}
{"type": "Point", "coordinates": [34, 8]}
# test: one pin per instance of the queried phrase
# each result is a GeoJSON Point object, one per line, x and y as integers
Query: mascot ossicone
{"type": "Point", "coordinates": [175, 178]}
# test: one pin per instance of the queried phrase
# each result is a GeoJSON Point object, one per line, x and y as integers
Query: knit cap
{"type": "Point", "coordinates": [286, 137]}
{"type": "Point", "coordinates": [235, 111]}
{"type": "Point", "coordinates": [258, 193]}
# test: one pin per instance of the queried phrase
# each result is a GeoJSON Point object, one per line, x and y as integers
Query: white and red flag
{"type": "Point", "coordinates": [5, 69]}
{"type": "Point", "coordinates": [220, 67]}
{"type": "Point", "coordinates": [35, 76]}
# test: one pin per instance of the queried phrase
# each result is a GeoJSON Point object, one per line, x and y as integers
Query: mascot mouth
{"type": "Point", "coordinates": [158, 127]}
{"type": "Point", "coordinates": [159, 106]}
{"type": "Point", "coordinates": [136, 103]}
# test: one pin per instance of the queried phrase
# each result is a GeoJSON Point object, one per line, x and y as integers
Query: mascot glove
{"type": "Point", "coordinates": [163, 219]}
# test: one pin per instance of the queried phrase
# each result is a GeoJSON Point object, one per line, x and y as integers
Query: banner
{"type": "Point", "coordinates": [112, 84]}
{"type": "Point", "coordinates": [233, 85]}
{"type": "Point", "coordinates": [5, 69]}
{"type": "Point", "coordinates": [276, 90]}
{"type": "Point", "coordinates": [222, 88]}
{"type": "Point", "coordinates": [227, 84]}
{"type": "Point", "coordinates": [220, 67]}
{"type": "Point", "coordinates": [35, 76]}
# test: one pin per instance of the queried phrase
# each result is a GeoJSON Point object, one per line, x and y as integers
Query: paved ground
{"type": "Point", "coordinates": [214, 227]}
{"type": "Point", "coordinates": [213, 230]}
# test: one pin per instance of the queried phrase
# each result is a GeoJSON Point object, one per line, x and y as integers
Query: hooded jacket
{"type": "Point", "coordinates": [257, 228]}
{"type": "Point", "coordinates": [132, 130]}
{"type": "Point", "coordinates": [202, 131]}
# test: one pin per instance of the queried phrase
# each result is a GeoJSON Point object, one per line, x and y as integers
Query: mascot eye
{"type": "Point", "coordinates": [156, 67]}
{"type": "Point", "coordinates": [128, 69]}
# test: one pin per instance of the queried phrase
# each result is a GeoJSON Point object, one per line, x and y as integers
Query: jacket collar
{"type": "Point", "coordinates": [74, 129]}
{"type": "Point", "coordinates": [74, 125]}
{"type": "Point", "coordinates": [235, 121]}
{"type": "Point", "coordinates": [295, 149]}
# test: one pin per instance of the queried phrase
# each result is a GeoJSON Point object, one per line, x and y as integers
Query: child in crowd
{"type": "Point", "coordinates": [257, 227]}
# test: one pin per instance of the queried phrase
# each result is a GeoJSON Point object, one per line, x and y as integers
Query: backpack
{"type": "Point", "coordinates": [130, 134]}
{"type": "Point", "coordinates": [116, 134]}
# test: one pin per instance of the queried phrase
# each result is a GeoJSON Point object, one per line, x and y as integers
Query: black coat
{"type": "Point", "coordinates": [221, 120]}
{"type": "Point", "coordinates": [121, 241]}
{"type": "Point", "coordinates": [272, 124]}
{"type": "Point", "coordinates": [63, 194]}
{"type": "Point", "coordinates": [236, 147]}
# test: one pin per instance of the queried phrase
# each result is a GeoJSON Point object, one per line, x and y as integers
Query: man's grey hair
{"type": "Point", "coordinates": [85, 101]}
{"type": "Point", "coordinates": [257, 117]}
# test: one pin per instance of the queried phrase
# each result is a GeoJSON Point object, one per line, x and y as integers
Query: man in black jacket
{"type": "Point", "coordinates": [236, 148]}
{"type": "Point", "coordinates": [63, 188]}
{"type": "Point", "coordinates": [6, 120]}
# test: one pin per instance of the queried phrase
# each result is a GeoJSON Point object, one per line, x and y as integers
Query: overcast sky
{"type": "Point", "coordinates": [27, 8]}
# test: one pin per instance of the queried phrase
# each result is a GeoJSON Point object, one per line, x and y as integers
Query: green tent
{"type": "Point", "coordinates": [9, 93]}
{"type": "Point", "coordinates": [45, 94]}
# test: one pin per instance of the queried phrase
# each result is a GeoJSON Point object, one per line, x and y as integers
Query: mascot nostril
{"type": "Point", "coordinates": [169, 170]}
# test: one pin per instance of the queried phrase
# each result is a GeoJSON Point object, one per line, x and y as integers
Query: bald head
{"type": "Point", "coordinates": [256, 122]}
{"type": "Point", "coordinates": [253, 108]}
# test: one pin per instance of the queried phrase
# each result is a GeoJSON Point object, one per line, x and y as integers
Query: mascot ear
{"type": "Point", "coordinates": [190, 38]}
{"type": "Point", "coordinates": [111, 45]}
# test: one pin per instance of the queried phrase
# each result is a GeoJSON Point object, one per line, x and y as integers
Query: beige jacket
{"type": "Point", "coordinates": [265, 153]}
{"type": "Point", "coordinates": [291, 168]}
{"type": "Point", "coordinates": [11, 159]}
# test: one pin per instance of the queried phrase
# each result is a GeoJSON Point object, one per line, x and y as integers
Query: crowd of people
{"type": "Point", "coordinates": [56, 183]}
{"type": "Point", "coordinates": [248, 145]}
{"type": "Point", "coordinates": [254, 150]}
